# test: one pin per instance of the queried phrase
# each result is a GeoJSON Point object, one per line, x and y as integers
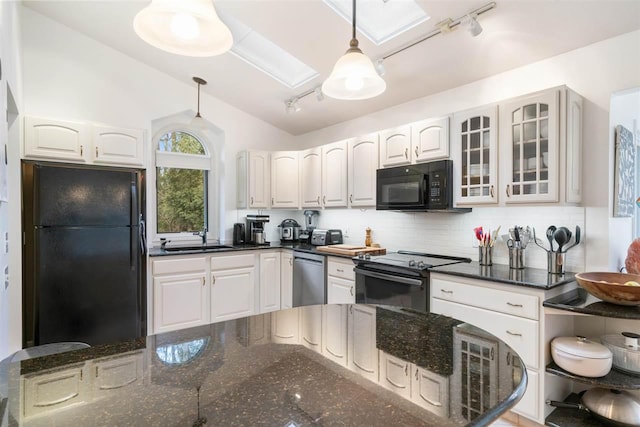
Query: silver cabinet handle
{"type": "Point", "coordinates": [416, 152]}
{"type": "Point", "coordinates": [81, 150]}
{"type": "Point", "coordinates": [491, 191]}
{"type": "Point", "coordinates": [406, 153]}
{"type": "Point", "coordinates": [318, 200]}
{"type": "Point", "coordinates": [350, 198]}
{"type": "Point", "coordinates": [203, 281]}
{"type": "Point", "coordinates": [351, 290]}
{"type": "Point", "coordinates": [213, 280]}
{"type": "Point", "coordinates": [324, 200]}
{"type": "Point", "coordinates": [513, 305]}
{"type": "Point", "coordinates": [508, 190]}
{"type": "Point", "coordinates": [417, 373]}
{"type": "Point", "coordinates": [273, 201]}
{"type": "Point", "coordinates": [339, 270]}
{"type": "Point", "coordinates": [290, 261]}
{"type": "Point", "coordinates": [252, 200]}
{"type": "Point", "coordinates": [351, 309]}
{"type": "Point", "coordinates": [406, 370]}
{"type": "Point", "coordinates": [446, 291]}
{"type": "Point", "coordinates": [515, 334]}
{"type": "Point", "coordinates": [96, 152]}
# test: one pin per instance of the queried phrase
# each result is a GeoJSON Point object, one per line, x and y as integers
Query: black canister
{"type": "Point", "coordinates": [238, 234]}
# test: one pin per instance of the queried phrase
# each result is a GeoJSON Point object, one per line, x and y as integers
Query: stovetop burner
{"type": "Point", "coordinates": [410, 260]}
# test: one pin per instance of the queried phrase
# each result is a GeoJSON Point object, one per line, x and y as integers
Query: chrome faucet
{"type": "Point", "coordinates": [203, 234]}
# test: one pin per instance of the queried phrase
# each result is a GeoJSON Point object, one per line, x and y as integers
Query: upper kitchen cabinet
{"type": "Point", "coordinates": [395, 146]}
{"type": "Point", "coordinates": [310, 171]}
{"type": "Point", "coordinates": [334, 174]}
{"type": "Point", "coordinates": [82, 142]}
{"type": "Point", "coordinates": [475, 156]}
{"type": "Point", "coordinates": [430, 139]}
{"type": "Point", "coordinates": [541, 147]}
{"type": "Point", "coordinates": [362, 165]}
{"type": "Point", "coordinates": [253, 180]}
{"type": "Point", "coordinates": [285, 189]}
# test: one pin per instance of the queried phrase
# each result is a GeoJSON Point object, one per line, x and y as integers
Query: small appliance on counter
{"type": "Point", "coordinates": [238, 234]}
{"type": "Point", "coordinates": [310, 223]}
{"type": "Point", "coordinates": [289, 230]}
{"type": "Point", "coordinates": [255, 229]}
{"type": "Point", "coordinates": [321, 237]}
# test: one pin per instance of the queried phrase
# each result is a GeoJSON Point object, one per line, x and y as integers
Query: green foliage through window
{"type": "Point", "coordinates": [180, 142]}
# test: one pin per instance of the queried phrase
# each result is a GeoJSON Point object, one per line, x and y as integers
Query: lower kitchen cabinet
{"type": "Point", "coordinates": [341, 282]}
{"type": "Point", "coordinates": [233, 287]}
{"type": "Point", "coordinates": [334, 333]}
{"type": "Point", "coordinates": [114, 373]}
{"type": "Point", "coordinates": [311, 327]}
{"type": "Point", "coordinates": [362, 351]}
{"type": "Point", "coordinates": [430, 391]}
{"type": "Point", "coordinates": [285, 326]}
{"type": "Point", "coordinates": [395, 374]}
{"type": "Point", "coordinates": [286, 279]}
{"type": "Point", "coordinates": [58, 389]}
{"type": "Point", "coordinates": [269, 281]}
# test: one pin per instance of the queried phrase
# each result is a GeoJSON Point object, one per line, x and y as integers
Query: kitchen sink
{"type": "Point", "coordinates": [197, 248]}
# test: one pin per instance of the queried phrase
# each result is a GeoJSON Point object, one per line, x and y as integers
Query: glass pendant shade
{"type": "Point", "coordinates": [353, 77]}
{"type": "Point", "coordinates": [183, 27]}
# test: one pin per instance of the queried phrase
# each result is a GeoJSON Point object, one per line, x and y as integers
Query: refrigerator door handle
{"type": "Point", "coordinates": [143, 236]}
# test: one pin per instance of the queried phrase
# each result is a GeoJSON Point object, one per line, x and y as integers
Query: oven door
{"type": "Point", "coordinates": [402, 188]}
{"type": "Point", "coordinates": [377, 287]}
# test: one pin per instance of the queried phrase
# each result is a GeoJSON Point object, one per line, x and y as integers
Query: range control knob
{"type": "Point", "coordinates": [412, 263]}
{"type": "Point", "coordinates": [367, 256]}
{"type": "Point", "coordinates": [421, 264]}
{"type": "Point", "coordinates": [360, 256]}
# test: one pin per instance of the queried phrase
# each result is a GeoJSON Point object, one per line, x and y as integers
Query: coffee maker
{"type": "Point", "coordinates": [255, 229]}
{"type": "Point", "coordinates": [310, 223]}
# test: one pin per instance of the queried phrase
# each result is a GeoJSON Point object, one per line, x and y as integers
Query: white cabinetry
{"type": "Point", "coordinates": [233, 287]}
{"type": "Point", "coordinates": [57, 389]}
{"type": "Point", "coordinates": [311, 178]}
{"type": "Point", "coordinates": [286, 279]}
{"type": "Point", "coordinates": [311, 327]}
{"type": "Point", "coordinates": [475, 156]}
{"type": "Point", "coordinates": [180, 293]}
{"type": "Point", "coordinates": [82, 142]}
{"type": "Point", "coordinates": [363, 354]}
{"type": "Point", "coordinates": [334, 175]}
{"type": "Point", "coordinates": [253, 180]}
{"type": "Point", "coordinates": [430, 390]}
{"type": "Point", "coordinates": [362, 166]}
{"type": "Point", "coordinates": [270, 281]}
{"type": "Point", "coordinates": [113, 373]}
{"type": "Point", "coordinates": [340, 281]}
{"type": "Point", "coordinates": [334, 333]}
{"type": "Point", "coordinates": [430, 139]}
{"type": "Point", "coordinates": [395, 146]}
{"type": "Point", "coordinates": [285, 326]}
{"type": "Point", "coordinates": [285, 189]}
{"type": "Point", "coordinates": [395, 374]}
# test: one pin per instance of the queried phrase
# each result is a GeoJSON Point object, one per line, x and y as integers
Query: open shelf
{"type": "Point", "coordinates": [613, 379]}
{"type": "Point", "coordinates": [569, 417]}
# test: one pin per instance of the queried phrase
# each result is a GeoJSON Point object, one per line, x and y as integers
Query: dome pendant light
{"type": "Point", "coordinates": [354, 76]}
{"type": "Point", "coordinates": [183, 27]}
{"type": "Point", "coordinates": [198, 121]}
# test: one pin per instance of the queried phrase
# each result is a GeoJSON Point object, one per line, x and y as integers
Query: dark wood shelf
{"type": "Point", "coordinates": [614, 379]}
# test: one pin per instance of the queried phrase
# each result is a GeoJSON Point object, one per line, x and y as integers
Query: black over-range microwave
{"type": "Point", "coordinates": [419, 187]}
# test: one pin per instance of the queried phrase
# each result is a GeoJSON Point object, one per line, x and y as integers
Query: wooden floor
{"type": "Point", "coordinates": [513, 420]}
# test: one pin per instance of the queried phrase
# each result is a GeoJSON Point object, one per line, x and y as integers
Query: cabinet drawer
{"type": "Point", "coordinates": [183, 265]}
{"type": "Point", "coordinates": [45, 393]}
{"type": "Point", "coordinates": [232, 261]}
{"type": "Point", "coordinates": [520, 334]}
{"type": "Point", "coordinates": [491, 299]}
{"type": "Point", "coordinates": [528, 405]}
{"type": "Point", "coordinates": [341, 269]}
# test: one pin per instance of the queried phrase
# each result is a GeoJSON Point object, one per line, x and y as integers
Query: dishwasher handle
{"type": "Point", "coordinates": [391, 278]}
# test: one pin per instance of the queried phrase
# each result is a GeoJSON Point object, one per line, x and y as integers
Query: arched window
{"type": "Point", "coordinates": [183, 164]}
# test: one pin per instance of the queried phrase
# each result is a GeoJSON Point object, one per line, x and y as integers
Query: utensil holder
{"type": "Point", "coordinates": [516, 258]}
{"type": "Point", "coordinates": [555, 262]}
{"type": "Point", "coordinates": [485, 256]}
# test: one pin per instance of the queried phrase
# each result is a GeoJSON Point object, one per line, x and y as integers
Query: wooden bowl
{"type": "Point", "coordinates": [610, 287]}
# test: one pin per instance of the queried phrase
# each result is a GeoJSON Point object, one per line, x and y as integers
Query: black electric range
{"type": "Point", "coordinates": [400, 278]}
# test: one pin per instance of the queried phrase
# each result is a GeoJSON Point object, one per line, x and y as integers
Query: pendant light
{"type": "Point", "coordinates": [353, 76]}
{"type": "Point", "coordinates": [183, 27]}
{"type": "Point", "coordinates": [198, 121]}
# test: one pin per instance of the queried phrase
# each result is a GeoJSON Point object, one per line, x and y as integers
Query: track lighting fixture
{"type": "Point", "coordinates": [292, 106]}
{"type": "Point", "coordinates": [319, 94]}
{"type": "Point", "coordinates": [472, 24]}
{"type": "Point", "coordinates": [380, 67]}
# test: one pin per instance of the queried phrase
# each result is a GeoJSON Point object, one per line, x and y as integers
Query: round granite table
{"type": "Point", "coordinates": [270, 370]}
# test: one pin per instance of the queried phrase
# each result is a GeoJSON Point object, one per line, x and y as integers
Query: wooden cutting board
{"type": "Point", "coordinates": [351, 250]}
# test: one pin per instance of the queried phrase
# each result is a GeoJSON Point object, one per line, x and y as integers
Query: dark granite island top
{"type": "Point", "coordinates": [236, 373]}
{"type": "Point", "coordinates": [580, 301]}
{"type": "Point", "coordinates": [295, 246]}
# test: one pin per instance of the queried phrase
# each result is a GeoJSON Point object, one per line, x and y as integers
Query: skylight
{"type": "Point", "coordinates": [381, 20]}
{"type": "Point", "coordinates": [266, 56]}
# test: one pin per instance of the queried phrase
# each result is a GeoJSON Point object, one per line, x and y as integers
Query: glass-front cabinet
{"type": "Point", "coordinates": [530, 130]}
{"type": "Point", "coordinates": [474, 149]}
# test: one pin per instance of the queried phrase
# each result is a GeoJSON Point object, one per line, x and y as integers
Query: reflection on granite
{"type": "Point", "coordinates": [614, 379]}
{"type": "Point", "coordinates": [580, 301]}
{"type": "Point", "coordinates": [569, 417]}
{"type": "Point", "coordinates": [530, 277]}
{"type": "Point", "coordinates": [425, 339]}
{"type": "Point", "coordinates": [236, 373]}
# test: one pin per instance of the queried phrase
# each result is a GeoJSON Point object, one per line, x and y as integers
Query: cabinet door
{"type": "Point", "coordinates": [54, 390]}
{"type": "Point", "coordinates": [431, 391]}
{"type": "Point", "coordinates": [362, 353]}
{"type": "Point", "coordinates": [334, 175]}
{"type": "Point", "coordinates": [574, 147]}
{"type": "Point", "coordinates": [362, 166]}
{"type": "Point", "coordinates": [115, 146]}
{"type": "Point", "coordinates": [395, 375]}
{"type": "Point", "coordinates": [117, 372]}
{"type": "Point", "coordinates": [430, 139]}
{"type": "Point", "coordinates": [242, 180]}
{"type": "Point", "coordinates": [269, 281]}
{"type": "Point", "coordinates": [233, 293]}
{"type": "Point", "coordinates": [259, 178]}
{"type": "Point", "coordinates": [334, 333]}
{"type": "Point", "coordinates": [340, 291]}
{"type": "Point", "coordinates": [475, 156]}
{"type": "Point", "coordinates": [395, 146]}
{"type": "Point", "coordinates": [285, 326]}
{"type": "Point", "coordinates": [311, 178]}
{"type": "Point", "coordinates": [180, 301]}
{"type": "Point", "coordinates": [55, 139]}
{"type": "Point", "coordinates": [311, 327]}
{"type": "Point", "coordinates": [285, 190]}
{"type": "Point", "coordinates": [529, 135]}
{"type": "Point", "coordinates": [286, 280]}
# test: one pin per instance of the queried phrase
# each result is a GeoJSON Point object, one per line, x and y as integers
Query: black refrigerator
{"type": "Point", "coordinates": [83, 254]}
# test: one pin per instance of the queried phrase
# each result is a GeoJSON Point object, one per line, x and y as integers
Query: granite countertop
{"type": "Point", "coordinates": [530, 277]}
{"type": "Point", "coordinates": [580, 301]}
{"type": "Point", "coordinates": [296, 246]}
{"type": "Point", "coordinates": [237, 373]}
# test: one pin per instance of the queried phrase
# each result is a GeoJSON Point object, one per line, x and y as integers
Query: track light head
{"type": "Point", "coordinates": [292, 106]}
{"type": "Point", "coordinates": [380, 69]}
{"type": "Point", "coordinates": [319, 94]}
{"type": "Point", "coordinates": [473, 26]}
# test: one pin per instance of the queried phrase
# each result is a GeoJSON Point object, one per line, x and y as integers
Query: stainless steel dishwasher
{"type": "Point", "coordinates": [309, 279]}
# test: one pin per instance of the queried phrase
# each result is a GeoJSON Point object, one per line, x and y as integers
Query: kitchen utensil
{"type": "Point", "coordinates": [576, 239]}
{"type": "Point", "coordinates": [610, 287]}
{"type": "Point", "coordinates": [581, 356]}
{"type": "Point", "coordinates": [612, 407]}
{"type": "Point", "coordinates": [258, 237]}
{"type": "Point", "coordinates": [289, 230]}
{"type": "Point", "coordinates": [516, 234]}
{"type": "Point", "coordinates": [560, 236]}
{"type": "Point", "coordinates": [550, 231]}
{"type": "Point", "coordinates": [537, 242]}
{"type": "Point", "coordinates": [625, 349]}
{"type": "Point", "coordinates": [567, 232]}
